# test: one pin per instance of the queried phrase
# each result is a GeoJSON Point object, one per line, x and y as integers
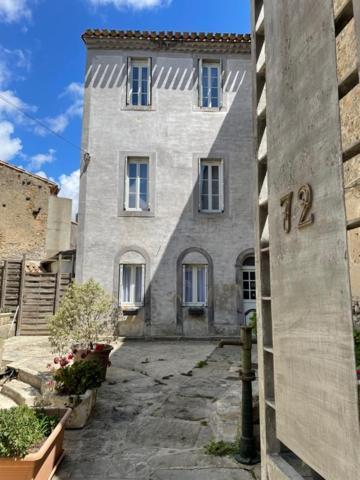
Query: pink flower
{"type": "Point", "coordinates": [49, 366]}
{"type": "Point", "coordinates": [56, 360]}
{"type": "Point", "coordinates": [99, 347]}
{"type": "Point", "coordinates": [70, 356]}
{"type": "Point", "coordinates": [63, 362]}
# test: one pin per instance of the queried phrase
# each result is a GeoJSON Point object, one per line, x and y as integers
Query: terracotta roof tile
{"type": "Point", "coordinates": [168, 36]}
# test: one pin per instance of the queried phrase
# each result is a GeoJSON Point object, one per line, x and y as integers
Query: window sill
{"type": "Point", "coordinates": [196, 311]}
{"type": "Point", "coordinates": [147, 108]}
{"type": "Point", "coordinates": [128, 310]}
{"type": "Point", "coordinates": [221, 109]}
{"type": "Point", "coordinates": [136, 213]}
{"type": "Point", "coordinates": [211, 212]}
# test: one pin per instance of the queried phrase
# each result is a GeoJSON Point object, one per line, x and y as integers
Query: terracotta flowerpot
{"type": "Point", "coordinates": [42, 464]}
{"type": "Point", "coordinates": [101, 355]}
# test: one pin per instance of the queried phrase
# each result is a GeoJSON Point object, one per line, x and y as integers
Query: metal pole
{"type": "Point", "coordinates": [247, 449]}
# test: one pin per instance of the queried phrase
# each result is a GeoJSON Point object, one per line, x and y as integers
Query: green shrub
{"type": "Point", "coordinates": [201, 364]}
{"type": "Point", "coordinates": [78, 377]}
{"type": "Point", "coordinates": [253, 322]}
{"type": "Point", "coordinates": [21, 428]}
{"type": "Point", "coordinates": [86, 315]}
{"type": "Point", "coordinates": [357, 347]}
{"type": "Point", "coordinates": [221, 448]}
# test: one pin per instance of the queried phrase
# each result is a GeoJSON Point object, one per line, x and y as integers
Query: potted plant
{"type": "Point", "coordinates": [86, 322]}
{"type": "Point", "coordinates": [31, 442]}
{"type": "Point", "coordinates": [74, 384]}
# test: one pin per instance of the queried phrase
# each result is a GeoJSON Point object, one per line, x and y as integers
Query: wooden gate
{"type": "Point", "coordinates": [36, 294]}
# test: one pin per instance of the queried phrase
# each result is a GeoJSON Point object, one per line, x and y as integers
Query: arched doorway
{"type": "Point", "coordinates": [246, 286]}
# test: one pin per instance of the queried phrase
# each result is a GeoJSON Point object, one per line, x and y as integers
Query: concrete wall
{"type": "Point", "coordinates": [59, 225]}
{"type": "Point", "coordinates": [175, 133]}
{"type": "Point", "coordinates": [23, 214]}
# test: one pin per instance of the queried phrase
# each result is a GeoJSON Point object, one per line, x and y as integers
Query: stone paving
{"type": "Point", "coordinates": [154, 414]}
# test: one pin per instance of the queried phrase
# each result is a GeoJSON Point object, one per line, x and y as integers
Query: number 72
{"type": "Point", "coordinates": [305, 198]}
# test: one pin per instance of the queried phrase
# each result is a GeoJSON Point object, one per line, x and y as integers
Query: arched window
{"type": "Point", "coordinates": [132, 279]}
{"type": "Point", "coordinates": [195, 280]}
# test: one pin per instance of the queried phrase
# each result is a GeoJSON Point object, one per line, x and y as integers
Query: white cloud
{"type": "Point", "coordinates": [14, 10]}
{"type": "Point", "coordinates": [9, 146]}
{"type": "Point", "coordinates": [37, 161]}
{"type": "Point", "coordinates": [69, 188]}
{"type": "Point", "coordinates": [135, 4]}
{"type": "Point", "coordinates": [59, 123]}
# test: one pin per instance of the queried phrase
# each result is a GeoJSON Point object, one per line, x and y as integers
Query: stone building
{"type": "Point", "coordinates": [165, 215]}
{"type": "Point", "coordinates": [33, 219]}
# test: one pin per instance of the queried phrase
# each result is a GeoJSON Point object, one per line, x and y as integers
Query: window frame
{"type": "Point", "coordinates": [130, 160]}
{"type": "Point", "coordinates": [210, 163]}
{"type": "Point", "coordinates": [210, 63]}
{"type": "Point", "coordinates": [132, 302]}
{"type": "Point", "coordinates": [140, 63]}
{"type": "Point", "coordinates": [194, 279]}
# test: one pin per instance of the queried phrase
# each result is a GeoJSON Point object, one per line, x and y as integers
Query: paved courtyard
{"type": "Point", "coordinates": [154, 414]}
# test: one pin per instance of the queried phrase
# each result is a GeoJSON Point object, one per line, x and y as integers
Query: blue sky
{"type": "Point", "coordinates": [42, 65]}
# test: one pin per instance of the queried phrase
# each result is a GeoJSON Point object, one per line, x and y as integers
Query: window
{"type": "Point", "coordinates": [140, 82]}
{"type": "Point", "coordinates": [210, 84]}
{"type": "Point", "coordinates": [132, 279]}
{"type": "Point", "coordinates": [137, 184]}
{"type": "Point", "coordinates": [249, 283]}
{"type": "Point", "coordinates": [195, 285]}
{"type": "Point", "coordinates": [211, 186]}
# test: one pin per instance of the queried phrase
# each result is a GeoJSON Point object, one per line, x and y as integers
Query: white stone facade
{"type": "Point", "coordinates": [173, 133]}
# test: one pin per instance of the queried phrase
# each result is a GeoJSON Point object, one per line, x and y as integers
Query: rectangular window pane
{"type": "Point", "coordinates": [215, 202]}
{"type": "Point", "coordinates": [135, 73]}
{"type": "Point", "coordinates": [143, 186]}
{"type": "Point", "coordinates": [188, 284]}
{"type": "Point", "coordinates": [215, 187]}
{"type": "Point", "coordinates": [132, 185]}
{"type": "Point", "coordinates": [143, 202]}
{"type": "Point", "coordinates": [143, 170]}
{"type": "Point", "coordinates": [144, 74]}
{"type": "Point", "coordinates": [132, 200]}
{"type": "Point", "coordinates": [144, 99]}
{"type": "Point", "coordinates": [126, 284]}
{"type": "Point", "coordinates": [205, 87]}
{"type": "Point", "coordinates": [132, 170]}
{"type": "Point", "coordinates": [138, 284]}
{"type": "Point", "coordinates": [204, 202]}
{"type": "Point", "coordinates": [134, 99]}
{"type": "Point", "coordinates": [201, 284]}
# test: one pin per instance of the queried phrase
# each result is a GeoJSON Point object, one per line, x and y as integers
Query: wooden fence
{"type": "Point", "coordinates": [36, 295]}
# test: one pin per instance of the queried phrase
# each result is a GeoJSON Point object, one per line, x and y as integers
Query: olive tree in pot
{"type": "Point", "coordinates": [74, 385]}
{"type": "Point", "coordinates": [86, 322]}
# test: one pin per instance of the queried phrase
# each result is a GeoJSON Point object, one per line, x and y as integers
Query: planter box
{"type": "Point", "coordinates": [81, 407]}
{"type": "Point", "coordinates": [42, 464]}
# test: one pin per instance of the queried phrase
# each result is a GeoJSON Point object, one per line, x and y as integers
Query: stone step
{"type": "Point", "coordinates": [6, 402]}
{"type": "Point", "coordinates": [22, 393]}
{"type": "Point", "coordinates": [28, 375]}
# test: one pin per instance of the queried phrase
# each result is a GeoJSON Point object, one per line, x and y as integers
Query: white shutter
{"type": "Point", "coordinates": [120, 283]}
{"type": "Point", "coordinates": [149, 92]}
{"type": "Point", "coordinates": [128, 81]}
{"type": "Point", "coordinates": [200, 73]}
{"type": "Point", "coordinates": [222, 186]}
{"type": "Point", "coordinates": [199, 183]}
{"type": "Point", "coordinates": [143, 284]}
{"type": "Point", "coordinates": [221, 83]}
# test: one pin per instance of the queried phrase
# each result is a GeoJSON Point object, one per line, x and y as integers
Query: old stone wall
{"type": "Point", "coordinates": [24, 203]}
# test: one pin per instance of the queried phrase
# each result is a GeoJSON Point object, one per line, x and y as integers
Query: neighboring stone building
{"type": "Point", "coordinates": [33, 219]}
{"type": "Point", "coordinates": [166, 216]}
